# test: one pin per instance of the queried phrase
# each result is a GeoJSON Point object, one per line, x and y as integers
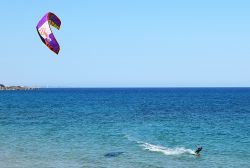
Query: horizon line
{"type": "Point", "coordinates": [141, 87]}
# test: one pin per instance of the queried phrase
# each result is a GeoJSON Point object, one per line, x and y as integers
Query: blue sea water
{"type": "Point", "coordinates": [135, 128]}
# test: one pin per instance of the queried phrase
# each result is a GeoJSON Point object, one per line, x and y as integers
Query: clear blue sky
{"type": "Point", "coordinates": [128, 43]}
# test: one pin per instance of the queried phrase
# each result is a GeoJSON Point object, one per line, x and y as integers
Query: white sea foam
{"type": "Point", "coordinates": [162, 149]}
{"type": "Point", "coordinates": [165, 150]}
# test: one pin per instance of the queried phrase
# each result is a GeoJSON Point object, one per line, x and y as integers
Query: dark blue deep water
{"type": "Point", "coordinates": [125, 128]}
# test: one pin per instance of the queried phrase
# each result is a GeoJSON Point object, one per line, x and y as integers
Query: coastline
{"type": "Point", "coordinates": [3, 87]}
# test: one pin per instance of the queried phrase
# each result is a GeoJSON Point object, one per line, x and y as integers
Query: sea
{"type": "Point", "coordinates": [125, 128]}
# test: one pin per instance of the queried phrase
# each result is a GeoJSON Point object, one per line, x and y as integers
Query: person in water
{"type": "Point", "coordinates": [197, 151]}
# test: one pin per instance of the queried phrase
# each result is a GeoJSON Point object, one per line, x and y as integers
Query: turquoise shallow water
{"type": "Point", "coordinates": [148, 128]}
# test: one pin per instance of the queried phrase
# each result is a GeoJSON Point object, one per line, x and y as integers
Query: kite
{"type": "Point", "coordinates": [45, 33]}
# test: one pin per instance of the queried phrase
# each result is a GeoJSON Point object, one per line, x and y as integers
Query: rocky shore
{"type": "Point", "coordinates": [2, 87]}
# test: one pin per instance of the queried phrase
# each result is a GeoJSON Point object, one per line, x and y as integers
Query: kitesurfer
{"type": "Point", "coordinates": [197, 151]}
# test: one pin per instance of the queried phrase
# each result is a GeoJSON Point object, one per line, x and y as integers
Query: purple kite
{"type": "Point", "coordinates": [45, 33]}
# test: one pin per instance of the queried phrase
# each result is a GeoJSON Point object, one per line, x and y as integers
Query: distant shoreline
{"type": "Point", "coordinates": [3, 87]}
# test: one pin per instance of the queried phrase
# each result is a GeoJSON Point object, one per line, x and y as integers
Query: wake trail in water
{"type": "Point", "coordinates": [162, 149]}
{"type": "Point", "coordinates": [167, 151]}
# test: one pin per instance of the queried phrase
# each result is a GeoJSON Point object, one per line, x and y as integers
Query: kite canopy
{"type": "Point", "coordinates": [45, 33]}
